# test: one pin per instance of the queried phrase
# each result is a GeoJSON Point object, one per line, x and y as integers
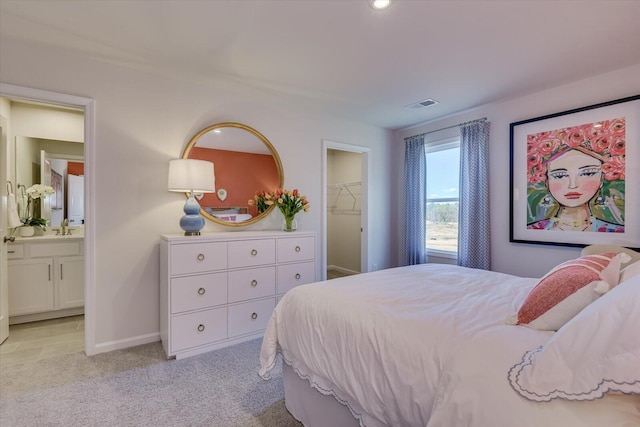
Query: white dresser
{"type": "Point", "coordinates": [219, 289]}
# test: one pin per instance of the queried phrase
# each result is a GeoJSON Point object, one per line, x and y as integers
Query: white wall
{"type": "Point", "coordinates": [43, 122]}
{"type": "Point", "coordinates": [145, 119]}
{"type": "Point", "coordinates": [520, 258]}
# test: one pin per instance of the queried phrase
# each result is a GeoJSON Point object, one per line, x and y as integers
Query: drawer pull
{"type": "Point", "coordinates": [49, 272]}
{"type": "Point", "coordinates": [298, 248]}
{"type": "Point", "coordinates": [201, 328]}
{"type": "Point", "coordinates": [12, 252]}
{"type": "Point", "coordinates": [254, 316]}
{"type": "Point", "coordinates": [254, 283]}
{"type": "Point", "coordinates": [200, 257]}
{"type": "Point", "coordinates": [254, 252]}
{"type": "Point", "coordinates": [298, 276]}
{"type": "Point", "coordinates": [201, 291]}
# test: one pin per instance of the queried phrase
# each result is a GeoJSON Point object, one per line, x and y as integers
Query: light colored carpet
{"type": "Point", "coordinates": [139, 387]}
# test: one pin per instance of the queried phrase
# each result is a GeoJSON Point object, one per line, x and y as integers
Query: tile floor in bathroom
{"type": "Point", "coordinates": [29, 342]}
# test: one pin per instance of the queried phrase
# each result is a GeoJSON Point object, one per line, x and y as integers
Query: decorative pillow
{"type": "Point", "coordinates": [567, 289]}
{"type": "Point", "coordinates": [596, 352]}
{"type": "Point", "coordinates": [630, 271]}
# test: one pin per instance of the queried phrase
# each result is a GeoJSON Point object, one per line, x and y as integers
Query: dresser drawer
{"type": "Point", "coordinates": [292, 275]}
{"type": "Point", "coordinates": [197, 292]}
{"type": "Point", "coordinates": [200, 328]}
{"type": "Point", "coordinates": [250, 316]}
{"type": "Point", "coordinates": [296, 249]}
{"type": "Point", "coordinates": [15, 251]}
{"type": "Point", "coordinates": [252, 283]}
{"type": "Point", "coordinates": [198, 257]}
{"type": "Point", "coordinates": [249, 253]}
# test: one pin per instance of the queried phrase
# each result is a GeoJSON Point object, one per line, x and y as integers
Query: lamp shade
{"type": "Point", "coordinates": [190, 175]}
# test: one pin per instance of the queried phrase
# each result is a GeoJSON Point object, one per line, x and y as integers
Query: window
{"type": "Point", "coordinates": [443, 178]}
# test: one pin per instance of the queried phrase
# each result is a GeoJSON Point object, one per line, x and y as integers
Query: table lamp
{"type": "Point", "coordinates": [191, 176]}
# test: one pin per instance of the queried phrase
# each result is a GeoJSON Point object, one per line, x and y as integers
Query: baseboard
{"type": "Point", "coordinates": [341, 270]}
{"type": "Point", "coordinates": [46, 315]}
{"type": "Point", "coordinates": [126, 343]}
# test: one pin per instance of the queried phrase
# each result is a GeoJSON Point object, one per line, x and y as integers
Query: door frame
{"type": "Point", "coordinates": [4, 229]}
{"type": "Point", "coordinates": [88, 105]}
{"type": "Point", "coordinates": [364, 217]}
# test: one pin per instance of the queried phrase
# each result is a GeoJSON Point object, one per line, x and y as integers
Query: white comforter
{"type": "Point", "coordinates": [422, 346]}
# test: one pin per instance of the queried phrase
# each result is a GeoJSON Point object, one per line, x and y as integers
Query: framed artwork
{"type": "Point", "coordinates": [575, 176]}
{"type": "Point", "coordinates": [56, 183]}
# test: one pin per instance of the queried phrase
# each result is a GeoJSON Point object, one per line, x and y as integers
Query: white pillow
{"type": "Point", "coordinates": [596, 352]}
{"type": "Point", "coordinates": [630, 271]}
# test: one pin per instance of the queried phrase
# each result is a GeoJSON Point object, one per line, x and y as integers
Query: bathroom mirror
{"type": "Point", "coordinates": [59, 164]}
{"type": "Point", "coordinates": [245, 163]}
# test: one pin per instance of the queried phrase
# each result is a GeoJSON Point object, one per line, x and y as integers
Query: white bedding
{"type": "Point", "coordinates": [233, 217]}
{"type": "Point", "coordinates": [422, 346]}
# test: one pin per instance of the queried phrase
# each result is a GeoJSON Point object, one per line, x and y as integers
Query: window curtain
{"type": "Point", "coordinates": [474, 239]}
{"type": "Point", "coordinates": [414, 202]}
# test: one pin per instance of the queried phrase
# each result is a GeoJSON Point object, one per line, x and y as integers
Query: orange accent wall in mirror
{"type": "Point", "coordinates": [245, 162]}
{"type": "Point", "coordinates": [75, 168]}
{"type": "Point", "coordinates": [238, 173]}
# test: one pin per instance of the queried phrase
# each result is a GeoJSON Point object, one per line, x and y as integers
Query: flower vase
{"type": "Point", "coordinates": [289, 224]}
{"type": "Point", "coordinates": [27, 230]}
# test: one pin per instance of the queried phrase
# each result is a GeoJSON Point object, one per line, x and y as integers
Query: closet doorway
{"type": "Point", "coordinates": [345, 219]}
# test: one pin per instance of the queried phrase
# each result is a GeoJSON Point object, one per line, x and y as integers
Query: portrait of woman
{"type": "Point", "coordinates": [575, 178]}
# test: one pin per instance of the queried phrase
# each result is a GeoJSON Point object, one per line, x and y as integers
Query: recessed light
{"type": "Point", "coordinates": [380, 4]}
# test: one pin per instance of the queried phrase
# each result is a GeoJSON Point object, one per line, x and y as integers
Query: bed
{"type": "Point", "coordinates": [431, 345]}
{"type": "Point", "coordinates": [230, 213]}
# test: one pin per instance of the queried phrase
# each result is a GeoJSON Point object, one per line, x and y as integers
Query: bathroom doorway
{"type": "Point", "coordinates": [86, 107]}
{"type": "Point", "coordinates": [345, 213]}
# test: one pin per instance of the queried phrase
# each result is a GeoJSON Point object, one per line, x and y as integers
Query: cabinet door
{"type": "Point", "coordinates": [70, 281]}
{"type": "Point", "coordinates": [30, 286]}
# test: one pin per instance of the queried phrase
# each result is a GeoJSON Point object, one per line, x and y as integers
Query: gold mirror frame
{"type": "Point", "coordinates": [265, 141]}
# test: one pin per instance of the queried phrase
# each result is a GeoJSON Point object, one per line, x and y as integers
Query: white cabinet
{"type": "Point", "coordinates": [219, 289]}
{"type": "Point", "coordinates": [70, 278]}
{"type": "Point", "coordinates": [30, 286]}
{"type": "Point", "coordinates": [46, 279]}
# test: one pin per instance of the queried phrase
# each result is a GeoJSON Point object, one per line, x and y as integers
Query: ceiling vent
{"type": "Point", "coordinates": [426, 103]}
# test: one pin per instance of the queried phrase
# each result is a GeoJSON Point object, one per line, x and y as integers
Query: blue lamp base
{"type": "Point", "coordinates": [192, 222]}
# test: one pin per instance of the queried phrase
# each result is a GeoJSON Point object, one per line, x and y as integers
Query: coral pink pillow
{"type": "Point", "coordinates": [567, 289]}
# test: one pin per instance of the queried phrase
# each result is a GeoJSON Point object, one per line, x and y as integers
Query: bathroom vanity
{"type": "Point", "coordinates": [46, 277]}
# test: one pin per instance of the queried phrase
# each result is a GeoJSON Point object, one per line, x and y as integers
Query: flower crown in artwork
{"type": "Point", "coordinates": [604, 140]}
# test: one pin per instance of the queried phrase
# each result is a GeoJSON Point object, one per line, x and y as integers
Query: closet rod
{"type": "Point", "coordinates": [448, 127]}
{"type": "Point", "coordinates": [344, 184]}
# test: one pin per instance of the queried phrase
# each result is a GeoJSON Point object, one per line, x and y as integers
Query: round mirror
{"type": "Point", "coordinates": [245, 163]}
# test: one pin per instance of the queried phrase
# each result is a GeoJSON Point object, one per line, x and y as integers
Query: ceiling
{"type": "Point", "coordinates": [341, 56]}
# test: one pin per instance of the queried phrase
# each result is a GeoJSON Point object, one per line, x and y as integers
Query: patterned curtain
{"type": "Point", "coordinates": [474, 239]}
{"type": "Point", "coordinates": [414, 202]}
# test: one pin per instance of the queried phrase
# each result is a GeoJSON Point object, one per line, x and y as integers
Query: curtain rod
{"type": "Point", "coordinates": [449, 127]}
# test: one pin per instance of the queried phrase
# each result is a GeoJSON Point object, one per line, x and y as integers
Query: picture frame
{"type": "Point", "coordinates": [571, 183]}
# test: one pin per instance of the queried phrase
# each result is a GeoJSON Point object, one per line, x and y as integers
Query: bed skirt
{"type": "Point", "coordinates": [311, 407]}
